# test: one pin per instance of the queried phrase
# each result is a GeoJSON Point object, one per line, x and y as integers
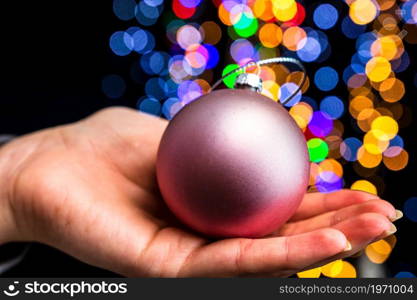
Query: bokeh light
{"type": "Point", "coordinates": [333, 106]}
{"type": "Point", "coordinates": [318, 149]}
{"type": "Point", "coordinates": [352, 109]}
{"type": "Point", "coordinates": [405, 275]}
{"type": "Point", "coordinates": [124, 9]}
{"type": "Point", "coordinates": [410, 209]}
{"type": "Point", "coordinates": [365, 186]}
{"type": "Point", "coordinates": [325, 16]}
{"type": "Point", "coordinates": [149, 105]}
{"type": "Point", "coordinates": [326, 78]}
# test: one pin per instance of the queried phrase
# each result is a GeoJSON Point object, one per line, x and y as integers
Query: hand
{"type": "Point", "coordinates": [89, 189]}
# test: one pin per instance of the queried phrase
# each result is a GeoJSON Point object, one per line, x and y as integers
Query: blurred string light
{"type": "Point", "coordinates": [249, 30]}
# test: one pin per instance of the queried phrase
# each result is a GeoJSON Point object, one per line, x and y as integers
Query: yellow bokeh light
{"type": "Point", "coordinates": [364, 186]}
{"type": "Point", "coordinates": [358, 104]}
{"type": "Point", "coordinates": [270, 89]}
{"type": "Point", "coordinates": [382, 247]}
{"type": "Point", "coordinates": [366, 117]}
{"type": "Point", "coordinates": [348, 271]}
{"type": "Point", "coordinates": [378, 252]}
{"type": "Point", "coordinates": [270, 35]}
{"type": "Point", "coordinates": [373, 144]}
{"type": "Point", "coordinates": [312, 273]}
{"type": "Point", "coordinates": [339, 269]}
{"type": "Point", "coordinates": [332, 269]}
{"type": "Point", "coordinates": [363, 12]}
{"type": "Point", "coordinates": [302, 113]}
{"type": "Point", "coordinates": [378, 69]}
{"type": "Point", "coordinates": [262, 9]}
{"type": "Point", "coordinates": [385, 47]}
{"type": "Point", "coordinates": [368, 160]}
{"type": "Point", "coordinates": [284, 10]}
{"type": "Point", "coordinates": [386, 128]}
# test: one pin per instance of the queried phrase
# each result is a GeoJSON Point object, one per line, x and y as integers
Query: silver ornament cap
{"type": "Point", "coordinates": [250, 81]}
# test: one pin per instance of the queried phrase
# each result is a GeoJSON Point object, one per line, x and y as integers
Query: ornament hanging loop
{"type": "Point", "coordinates": [254, 81]}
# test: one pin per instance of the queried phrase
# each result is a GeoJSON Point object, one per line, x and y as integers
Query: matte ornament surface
{"type": "Point", "coordinates": [233, 164]}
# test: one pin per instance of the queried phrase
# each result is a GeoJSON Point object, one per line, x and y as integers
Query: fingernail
{"type": "Point", "coordinates": [348, 247]}
{"type": "Point", "coordinates": [390, 231]}
{"type": "Point", "coordinates": [398, 215]}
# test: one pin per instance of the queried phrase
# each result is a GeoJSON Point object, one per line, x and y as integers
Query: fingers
{"type": "Point", "coordinates": [279, 255]}
{"type": "Point", "coordinates": [332, 218]}
{"type": "Point", "coordinates": [318, 203]}
{"type": "Point", "coordinates": [361, 231]}
{"type": "Point", "coordinates": [364, 229]}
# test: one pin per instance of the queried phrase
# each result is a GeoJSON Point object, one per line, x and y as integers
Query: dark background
{"type": "Point", "coordinates": [53, 56]}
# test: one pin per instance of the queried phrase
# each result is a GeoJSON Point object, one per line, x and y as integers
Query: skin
{"type": "Point", "coordinates": [89, 189]}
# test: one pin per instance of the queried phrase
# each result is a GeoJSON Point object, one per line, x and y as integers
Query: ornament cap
{"type": "Point", "coordinates": [250, 81]}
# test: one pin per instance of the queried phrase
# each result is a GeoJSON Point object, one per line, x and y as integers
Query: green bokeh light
{"type": "Point", "coordinates": [229, 81]}
{"type": "Point", "coordinates": [246, 26]}
{"type": "Point", "coordinates": [318, 149]}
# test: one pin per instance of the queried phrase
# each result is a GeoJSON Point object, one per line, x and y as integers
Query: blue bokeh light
{"type": "Point", "coordinates": [408, 12]}
{"type": "Point", "coordinates": [410, 209]}
{"type": "Point", "coordinates": [171, 107]}
{"type": "Point", "coordinates": [326, 78]}
{"type": "Point", "coordinates": [121, 43]}
{"type": "Point", "coordinates": [149, 105]}
{"type": "Point", "coordinates": [188, 91]}
{"type": "Point", "coordinates": [286, 90]}
{"type": "Point", "coordinates": [397, 141]}
{"type": "Point", "coordinates": [349, 148]}
{"type": "Point", "coordinates": [333, 106]}
{"type": "Point", "coordinates": [405, 274]}
{"type": "Point", "coordinates": [147, 15]}
{"type": "Point", "coordinates": [325, 16]}
{"type": "Point", "coordinates": [153, 3]}
{"type": "Point", "coordinates": [311, 50]}
{"type": "Point", "coordinates": [124, 9]}
{"type": "Point", "coordinates": [155, 63]}
{"type": "Point", "coordinates": [213, 56]}
{"type": "Point", "coordinates": [141, 41]}
{"type": "Point", "coordinates": [156, 88]}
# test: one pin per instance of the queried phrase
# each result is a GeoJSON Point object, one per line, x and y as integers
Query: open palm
{"type": "Point", "coordinates": [89, 189]}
